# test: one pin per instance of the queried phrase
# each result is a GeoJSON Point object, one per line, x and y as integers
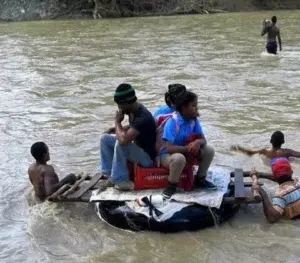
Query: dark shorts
{"type": "Point", "coordinates": [272, 47]}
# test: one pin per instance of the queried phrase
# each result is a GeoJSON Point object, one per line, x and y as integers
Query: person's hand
{"type": "Point", "coordinates": [119, 116]}
{"type": "Point", "coordinates": [194, 147]}
{"type": "Point", "coordinates": [255, 187]}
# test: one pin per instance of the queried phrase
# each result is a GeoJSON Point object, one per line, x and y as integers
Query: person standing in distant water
{"type": "Point", "coordinates": [273, 33]}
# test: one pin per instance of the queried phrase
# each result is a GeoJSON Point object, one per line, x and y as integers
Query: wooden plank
{"type": "Point", "coordinates": [86, 187]}
{"type": "Point", "coordinates": [59, 192]}
{"type": "Point", "coordinates": [262, 175]}
{"type": "Point", "coordinates": [74, 186]}
{"type": "Point", "coordinates": [239, 189]}
{"type": "Point", "coordinates": [247, 200]}
{"type": "Point", "coordinates": [85, 198]}
{"type": "Point", "coordinates": [246, 184]}
{"type": "Point", "coordinates": [268, 176]}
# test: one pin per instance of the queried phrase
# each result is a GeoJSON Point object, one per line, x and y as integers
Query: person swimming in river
{"type": "Point", "coordinates": [270, 28]}
{"type": "Point", "coordinates": [42, 175]}
{"type": "Point", "coordinates": [277, 140]}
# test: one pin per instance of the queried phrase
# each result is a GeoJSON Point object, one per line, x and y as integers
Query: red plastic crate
{"type": "Point", "coordinates": [157, 177]}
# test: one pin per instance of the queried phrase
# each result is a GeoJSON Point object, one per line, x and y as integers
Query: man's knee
{"type": "Point", "coordinates": [122, 148]}
{"type": "Point", "coordinates": [178, 159]}
{"type": "Point", "coordinates": [208, 151]}
{"type": "Point", "coordinates": [106, 139]}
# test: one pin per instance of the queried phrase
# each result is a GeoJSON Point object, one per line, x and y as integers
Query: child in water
{"type": "Point", "coordinates": [42, 175]}
{"type": "Point", "coordinates": [277, 139]}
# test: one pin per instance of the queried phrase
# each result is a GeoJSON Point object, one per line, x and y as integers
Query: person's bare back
{"type": "Point", "coordinates": [273, 33]}
{"type": "Point", "coordinates": [42, 175]}
{"type": "Point", "coordinates": [277, 139]}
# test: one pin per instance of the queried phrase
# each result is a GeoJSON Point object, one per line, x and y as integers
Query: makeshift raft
{"type": "Point", "coordinates": [142, 212]}
{"type": "Point", "coordinates": [82, 190]}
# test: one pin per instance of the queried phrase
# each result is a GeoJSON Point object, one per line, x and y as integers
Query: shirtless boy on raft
{"type": "Point", "coordinates": [277, 139]}
{"type": "Point", "coordinates": [42, 175]}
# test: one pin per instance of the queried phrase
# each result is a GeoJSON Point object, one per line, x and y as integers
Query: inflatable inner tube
{"type": "Point", "coordinates": [190, 218]}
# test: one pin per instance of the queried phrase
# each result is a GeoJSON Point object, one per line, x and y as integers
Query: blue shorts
{"type": "Point", "coordinates": [272, 47]}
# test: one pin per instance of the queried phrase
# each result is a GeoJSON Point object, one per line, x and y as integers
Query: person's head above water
{"type": "Point", "coordinates": [125, 98]}
{"type": "Point", "coordinates": [40, 152]}
{"type": "Point", "coordinates": [174, 91]}
{"type": "Point", "coordinates": [277, 139]}
{"type": "Point", "coordinates": [282, 170]}
{"type": "Point", "coordinates": [274, 19]}
{"type": "Point", "coordinates": [187, 105]}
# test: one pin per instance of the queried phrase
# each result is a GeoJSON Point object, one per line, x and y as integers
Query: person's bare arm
{"type": "Point", "coordinates": [29, 174]}
{"type": "Point", "coordinates": [171, 148]}
{"type": "Point", "coordinates": [272, 215]}
{"type": "Point", "coordinates": [112, 130]}
{"type": "Point", "coordinates": [125, 136]}
{"type": "Point", "coordinates": [247, 150]}
{"type": "Point", "coordinates": [52, 183]}
{"type": "Point", "coordinates": [292, 153]}
{"type": "Point", "coordinates": [264, 31]}
{"type": "Point", "coordinates": [279, 40]}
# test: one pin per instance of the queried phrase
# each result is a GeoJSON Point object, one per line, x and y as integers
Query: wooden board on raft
{"type": "Point", "coordinates": [239, 189]}
{"type": "Point", "coordinates": [76, 192]}
{"type": "Point", "coordinates": [86, 187]}
{"type": "Point", "coordinates": [81, 191]}
{"type": "Point", "coordinates": [262, 175]}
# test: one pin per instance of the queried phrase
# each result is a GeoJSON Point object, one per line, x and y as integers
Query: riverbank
{"type": "Point", "coordinates": [17, 10]}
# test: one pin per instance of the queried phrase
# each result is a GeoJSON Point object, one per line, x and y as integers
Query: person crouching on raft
{"type": "Point", "coordinates": [174, 151]}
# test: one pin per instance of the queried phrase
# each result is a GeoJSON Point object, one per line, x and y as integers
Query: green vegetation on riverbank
{"type": "Point", "coordinates": [51, 9]}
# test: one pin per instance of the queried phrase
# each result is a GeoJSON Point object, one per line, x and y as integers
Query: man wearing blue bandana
{"type": "Point", "coordinates": [135, 143]}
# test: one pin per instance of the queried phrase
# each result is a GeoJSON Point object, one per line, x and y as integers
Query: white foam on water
{"type": "Point", "coordinates": [267, 55]}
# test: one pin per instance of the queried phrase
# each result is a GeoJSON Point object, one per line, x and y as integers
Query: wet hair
{"type": "Point", "coordinates": [274, 19]}
{"type": "Point", "coordinates": [38, 150]}
{"type": "Point", "coordinates": [184, 100]}
{"type": "Point", "coordinates": [277, 139]}
{"type": "Point", "coordinates": [174, 91]}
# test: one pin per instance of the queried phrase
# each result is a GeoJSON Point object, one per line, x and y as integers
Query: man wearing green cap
{"type": "Point", "coordinates": [135, 143]}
